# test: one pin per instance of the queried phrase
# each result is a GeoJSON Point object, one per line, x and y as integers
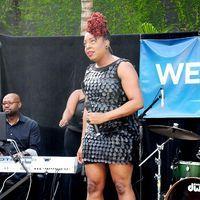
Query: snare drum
{"type": "Point", "coordinates": [184, 189]}
{"type": "Point", "coordinates": [185, 169]}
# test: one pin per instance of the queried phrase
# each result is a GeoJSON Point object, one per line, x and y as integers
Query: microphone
{"type": "Point", "coordinates": [162, 104]}
{"type": "Point", "coordinates": [89, 105]}
{"type": "Point", "coordinates": [96, 130]}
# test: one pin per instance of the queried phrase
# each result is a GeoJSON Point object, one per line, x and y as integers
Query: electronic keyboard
{"type": "Point", "coordinates": [39, 164]}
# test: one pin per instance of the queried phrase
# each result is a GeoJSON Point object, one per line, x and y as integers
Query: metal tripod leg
{"type": "Point", "coordinates": [15, 186]}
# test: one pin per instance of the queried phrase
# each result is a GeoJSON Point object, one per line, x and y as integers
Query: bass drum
{"type": "Point", "coordinates": [184, 189]}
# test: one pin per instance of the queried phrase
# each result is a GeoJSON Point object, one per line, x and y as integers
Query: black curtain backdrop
{"type": "Point", "coordinates": [45, 70]}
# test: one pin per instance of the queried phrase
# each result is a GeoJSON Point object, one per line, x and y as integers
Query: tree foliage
{"type": "Point", "coordinates": [42, 17]}
{"type": "Point", "coordinates": [62, 17]}
{"type": "Point", "coordinates": [127, 16]}
{"type": "Point", "coordinates": [188, 12]}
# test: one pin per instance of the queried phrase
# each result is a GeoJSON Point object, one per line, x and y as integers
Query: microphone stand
{"type": "Point", "coordinates": [141, 121]}
{"type": "Point", "coordinates": [16, 159]}
{"type": "Point", "coordinates": [149, 107]}
{"type": "Point", "coordinates": [158, 149]}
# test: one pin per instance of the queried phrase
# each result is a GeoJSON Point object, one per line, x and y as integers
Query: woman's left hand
{"type": "Point", "coordinates": [63, 122]}
{"type": "Point", "coordinates": [96, 118]}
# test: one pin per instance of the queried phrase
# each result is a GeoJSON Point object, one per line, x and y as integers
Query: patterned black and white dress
{"type": "Point", "coordinates": [117, 139]}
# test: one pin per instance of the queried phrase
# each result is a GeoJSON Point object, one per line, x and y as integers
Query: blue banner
{"type": "Point", "coordinates": [170, 71]}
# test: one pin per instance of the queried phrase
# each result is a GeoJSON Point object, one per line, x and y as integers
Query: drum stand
{"type": "Point", "coordinates": [158, 162]}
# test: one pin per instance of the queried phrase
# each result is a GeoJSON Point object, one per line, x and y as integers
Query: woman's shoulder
{"type": "Point", "coordinates": [78, 94]}
{"type": "Point", "coordinates": [125, 63]}
{"type": "Point", "coordinates": [118, 61]}
{"type": "Point", "coordinates": [125, 67]}
{"type": "Point", "coordinates": [122, 64]}
{"type": "Point", "coordinates": [124, 60]}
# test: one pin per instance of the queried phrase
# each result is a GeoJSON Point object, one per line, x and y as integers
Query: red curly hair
{"type": "Point", "coordinates": [97, 25]}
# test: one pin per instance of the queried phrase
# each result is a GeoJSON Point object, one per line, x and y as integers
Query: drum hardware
{"type": "Point", "coordinates": [174, 132]}
{"type": "Point", "coordinates": [171, 132]}
{"type": "Point", "coordinates": [175, 160]}
{"type": "Point", "coordinates": [185, 169]}
{"type": "Point", "coordinates": [158, 162]}
{"type": "Point", "coordinates": [186, 188]}
{"type": "Point", "coordinates": [173, 167]}
{"type": "Point", "coordinates": [198, 154]}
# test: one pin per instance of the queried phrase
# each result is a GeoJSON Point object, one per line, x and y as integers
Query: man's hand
{"type": "Point", "coordinates": [21, 154]}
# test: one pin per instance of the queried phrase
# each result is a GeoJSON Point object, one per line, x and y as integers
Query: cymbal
{"type": "Point", "coordinates": [174, 132]}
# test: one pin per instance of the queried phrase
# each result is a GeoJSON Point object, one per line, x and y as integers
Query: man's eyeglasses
{"type": "Point", "coordinates": [9, 103]}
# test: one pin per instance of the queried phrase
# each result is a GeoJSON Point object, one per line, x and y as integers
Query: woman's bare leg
{"type": "Point", "coordinates": [96, 176]}
{"type": "Point", "coordinates": [121, 175]}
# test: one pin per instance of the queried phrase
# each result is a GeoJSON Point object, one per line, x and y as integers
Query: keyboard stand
{"type": "Point", "coordinates": [15, 186]}
{"type": "Point", "coordinates": [28, 175]}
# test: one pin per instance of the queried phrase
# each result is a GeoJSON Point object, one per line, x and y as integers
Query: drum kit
{"type": "Point", "coordinates": [186, 174]}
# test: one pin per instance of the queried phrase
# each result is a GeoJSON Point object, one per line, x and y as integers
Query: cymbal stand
{"type": "Point", "coordinates": [158, 162]}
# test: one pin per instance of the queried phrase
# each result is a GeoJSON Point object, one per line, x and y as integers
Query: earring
{"type": "Point", "coordinates": [110, 49]}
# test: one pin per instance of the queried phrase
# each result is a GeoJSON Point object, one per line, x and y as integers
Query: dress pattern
{"type": "Point", "coordinates": [118, 137]}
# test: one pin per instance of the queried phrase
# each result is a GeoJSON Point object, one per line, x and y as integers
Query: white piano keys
{"type": "Point", "coordinates": [40, 164]}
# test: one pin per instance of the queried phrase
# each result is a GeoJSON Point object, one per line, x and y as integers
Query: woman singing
{"type": "Point", "coordinates": [110, 130]}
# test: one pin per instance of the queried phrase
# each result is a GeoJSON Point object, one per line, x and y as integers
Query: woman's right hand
{"type": "Point", "coordinates": [80, 155]}
{"type": "Point", "coordinates": [62, 123]}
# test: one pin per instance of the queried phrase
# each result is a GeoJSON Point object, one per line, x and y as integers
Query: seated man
{"type": "Point", "coordinates": [20, 128]}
